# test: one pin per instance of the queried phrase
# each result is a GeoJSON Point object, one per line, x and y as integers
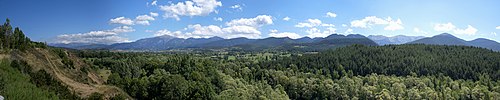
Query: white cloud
{"type": "Point", "coordinates": [286, 18]}
{"type": "Point", "coordinates": [273, 31]}
{"type": "Point", "coordinates": [143, 19]}
{"type": "Point", "coordinates": [286, 34]}
{"type": "Point", "coordinates": [167, 32]}
{"type": "Point", "coordinates": [417, 30]}
{"type": "Point", "coordinates": [154, 3]}
{"type": "Point", "coordinates": [468, 31]}
{"type": "Point", "coordinates": [190, 8]}
{"type": "Point", "coordinates": [153, 14]}
{"type": "Point", "coordinates": [349, 31]}
{"type": "Point", "coordinates": [369, 21]}
{"type": "Point", "coordinates": [122, 29]}
{"type": "Point", "coordinates": [449, 27]}
{"type": "Point", "coordinates": [444, 27]}
{"type": "Point", "coordinates": [344, 25]}
{"type": "Point", "coordinates": [331, 14]}
{"type": "Point", "coordinates": [498, 27]}
{"type": "Point", "coordinates": [494, 33]}
{"type": "Point", "coordinates": [96, 37]}
{"type": "Point", "coordinates": [254, 22]}
{"type": "Point", "coordinates": [309, 23]}
{"type": "Point", "coordinates": [121, 20]}
{"type": "Point", "coordinates": [315, 32]}
{"type": "Point", "coordinates": [241, 31]}
{"type": "Point", "coordinates": [243, 27]}
{"type": "Point", "coordinates": [313, 23]}
{"type": "Point", "coordinates": [199, 31]}
{"type": "Point", "coordinates": [394, 25]}
{"type": "Point", "coordinates": [237, 7]}
{"type": "Point", "coordinates": [218, 19]}
{"type": "Point", "coordinates": [328, 25]}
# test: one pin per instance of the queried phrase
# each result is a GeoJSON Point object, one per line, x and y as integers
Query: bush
{"type": "Point", "coordinates": [96, 96]}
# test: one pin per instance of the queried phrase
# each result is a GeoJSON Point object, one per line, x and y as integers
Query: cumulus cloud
{"type": "Point", "coordinates": [218, 19]}
{"type": "Point", "coordinates": [237, 7]}
{"type": "Point", "coordinates": [498, 27]}
{"type": "Point", "coordinates": [309, 23]}
{"type": "Point", "coordinates": [143, 19]}
{"type": "Point", "coordinates": [394, 25]}
{"type": "Point", "coordinates": [153, 14]}
{"type": "Point", "coordinates": [369, 21]}
{"type": "Point", "coordinates": [285, 34]}
{"type": "Point", "coordinates": [273, 31]}
{"type": "Point", "coordinates": [286, 18]}
{"type": "Point", "coordinates": [444, 27]}
{"type": "Point", "coordinates": [243, 27]}
{"type": "Point", "coordinates": [349, 31]}
{"type": "Point", "coordinates": [96, 37]}
{"type": "Point", "coordinates": [167, 32]}
{"type": "Point", "coordinates": [199, 31]}
{"type": "Point", "coordinates": [190, 8]}
{"type": "Point", "coordinates": [313, 23]}
{"type": "Point", "coordinates": [331, 14]}
{"type": "Point", "coordinates": [315, 32]}
{"type": "Point", "coordinates": [468, 31]}
{"type": "Point", "coordinates": [449, 27]}
{"type": "Point", "coordinates": [121, 20]}
{"type": "Point", "coordinates": [254, 22]}
{"type": "Point", "coordinates": [154, 3]}
{"type": "Point", "coordinates": [417, 30]}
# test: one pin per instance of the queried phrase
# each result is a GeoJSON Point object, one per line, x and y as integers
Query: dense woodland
{"type": "Point", "coordinates": [352, 72]}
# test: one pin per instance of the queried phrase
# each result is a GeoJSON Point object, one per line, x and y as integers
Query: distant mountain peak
{"type": "Point", "coordinates": [445, 34]}
{"type": "Point", "coordinates": [482, 39]}
{"type": "Point", "coordinates": [216, 37]}
{"type": "Point", "coordinates": [165, 37]}
{"type": "Point", "coordinates": [398, 39]}
{"type": "Point", "coordinates": [448, 39]}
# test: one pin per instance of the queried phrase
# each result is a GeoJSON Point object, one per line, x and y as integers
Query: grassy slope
{"type": "Point", "coordinates": [83, 83]}
{"type": "Point", "coordinates": [17, 86]}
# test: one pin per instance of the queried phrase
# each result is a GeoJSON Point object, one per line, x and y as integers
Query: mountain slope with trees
{"type": "Point", "coordinates": [448, 39]}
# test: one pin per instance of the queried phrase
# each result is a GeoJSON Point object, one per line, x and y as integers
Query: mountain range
{"type": "Point", "coordinates": [273, 43]}
{"type": "Point", "coordinates": [448, 39]}
{"type": "Point", "coordinates": [166, 42]}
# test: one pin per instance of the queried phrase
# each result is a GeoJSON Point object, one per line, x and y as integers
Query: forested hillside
{"type": "Point", "coordinates": [353, 72]}
{"type": "Point", "coordinates": [457, 62]}
{"type": "Point", "coordinates": [31, 70]}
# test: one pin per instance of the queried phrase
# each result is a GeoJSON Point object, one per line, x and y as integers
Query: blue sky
{"type": "Point", "coordinates": [114, 21]}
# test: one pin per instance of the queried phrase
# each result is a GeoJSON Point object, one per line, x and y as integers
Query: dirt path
{"type": "Point", "coordinates": [83, 89]}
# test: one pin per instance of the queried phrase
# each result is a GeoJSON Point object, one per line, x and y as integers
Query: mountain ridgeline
{"type": "Point", "coordinates": [169, 42]}
{"type": "Point", "coordinates": [448, 39]}
{"type": "Point", "coordinates": [166, 42]}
